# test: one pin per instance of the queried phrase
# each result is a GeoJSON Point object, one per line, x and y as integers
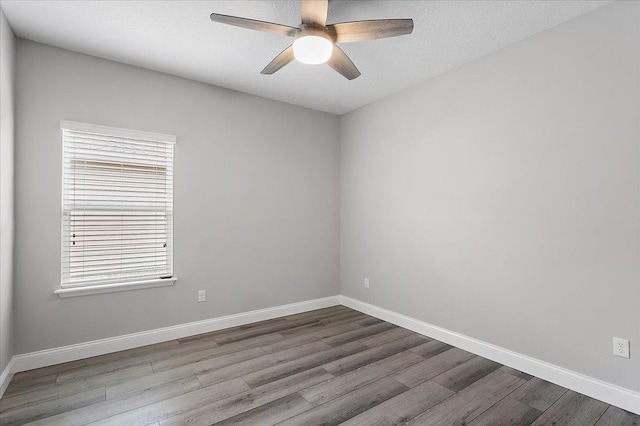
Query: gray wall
{"type": "Point", "coordinates": [7, 80]}
{"type": "Point", "coordinates": [501, 200]}
{"type": "Point", "coordinates": [256, 197]}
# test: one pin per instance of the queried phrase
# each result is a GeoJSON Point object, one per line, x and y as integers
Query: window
{"type": "Point", "coordinates": [117, 209]}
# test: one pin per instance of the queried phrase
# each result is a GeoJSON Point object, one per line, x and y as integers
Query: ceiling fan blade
{"type": "Point", "coordinates": [340, 62]}
{"type": "Point", "coordinates": [314, 12]}
{"type": "Point", "coordinates": [252, 24]}
{"type": "Point", "coordinates": [279, 61]}
{"type": "Point", "coordinates": [346, 32]}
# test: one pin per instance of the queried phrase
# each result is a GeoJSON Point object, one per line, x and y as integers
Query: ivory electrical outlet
{"type": "Point", "coordinates": [621, 347]}
{"type": "Point", "coordinates": [366, 283]}
{"type": "Point", "coordinates": [202, 295]}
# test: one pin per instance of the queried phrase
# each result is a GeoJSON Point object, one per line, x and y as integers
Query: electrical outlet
{"type": "Point", "coordinates": [366, 283]}
{"type": "Point", "coordinates": [202, 295]}
{"type": "Point", "coordinates": [621, 347]}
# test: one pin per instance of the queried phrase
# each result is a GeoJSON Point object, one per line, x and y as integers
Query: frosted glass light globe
{"type": "Point", "coordinates": [312, 49]}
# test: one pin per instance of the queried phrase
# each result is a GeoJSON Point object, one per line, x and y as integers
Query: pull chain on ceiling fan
{"type": "Point", "coordinates": [314, 42]}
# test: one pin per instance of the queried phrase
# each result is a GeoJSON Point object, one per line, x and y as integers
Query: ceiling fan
{"type": "Point", "coordinates": [314, 42]}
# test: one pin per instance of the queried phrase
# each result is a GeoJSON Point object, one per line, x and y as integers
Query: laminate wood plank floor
{"type": "Point", "coordinates": [325, 367]}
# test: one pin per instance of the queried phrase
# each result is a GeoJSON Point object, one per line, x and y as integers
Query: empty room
{"type": "Point", "coordinates": [320, 212]}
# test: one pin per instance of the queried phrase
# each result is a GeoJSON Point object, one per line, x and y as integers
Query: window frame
{"type": "Point", "coordinates": [123, 284]}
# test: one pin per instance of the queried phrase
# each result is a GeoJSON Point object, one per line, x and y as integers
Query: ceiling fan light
{"type": "Point", "coordinates": [312, 49]}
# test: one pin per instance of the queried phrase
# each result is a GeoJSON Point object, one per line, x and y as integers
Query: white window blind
{"type": "Point", "coordinates": [117, 205]}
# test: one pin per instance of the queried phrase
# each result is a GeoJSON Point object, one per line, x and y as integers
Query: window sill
{"type": "Point", "coordinates": [111, 288]}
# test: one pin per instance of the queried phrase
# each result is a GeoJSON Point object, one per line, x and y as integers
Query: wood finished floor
{"type": "Point", "coordinates": [326, 367]}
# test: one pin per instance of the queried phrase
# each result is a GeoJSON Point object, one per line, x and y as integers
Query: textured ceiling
{"type": "Point", "coordinates": [177, 37]}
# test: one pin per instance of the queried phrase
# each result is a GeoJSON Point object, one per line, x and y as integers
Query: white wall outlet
{"type": "Point", "coordinates": [621, 347]}
{"type": "Point", "coordinates": [202, 295]}
{"type": "Point", "coordinates": [366, 283]}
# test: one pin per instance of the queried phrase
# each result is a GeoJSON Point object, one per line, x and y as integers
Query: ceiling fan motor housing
{"type": "Point", "coordinates": [312, 30]}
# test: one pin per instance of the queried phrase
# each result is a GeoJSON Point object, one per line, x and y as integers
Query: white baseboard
{"type": "Point", "coordinates": [611, 394]}
{"type": "Point", "coordinates": [7, 374]}
{"type": "Point", "coordinates": [62, 354]}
